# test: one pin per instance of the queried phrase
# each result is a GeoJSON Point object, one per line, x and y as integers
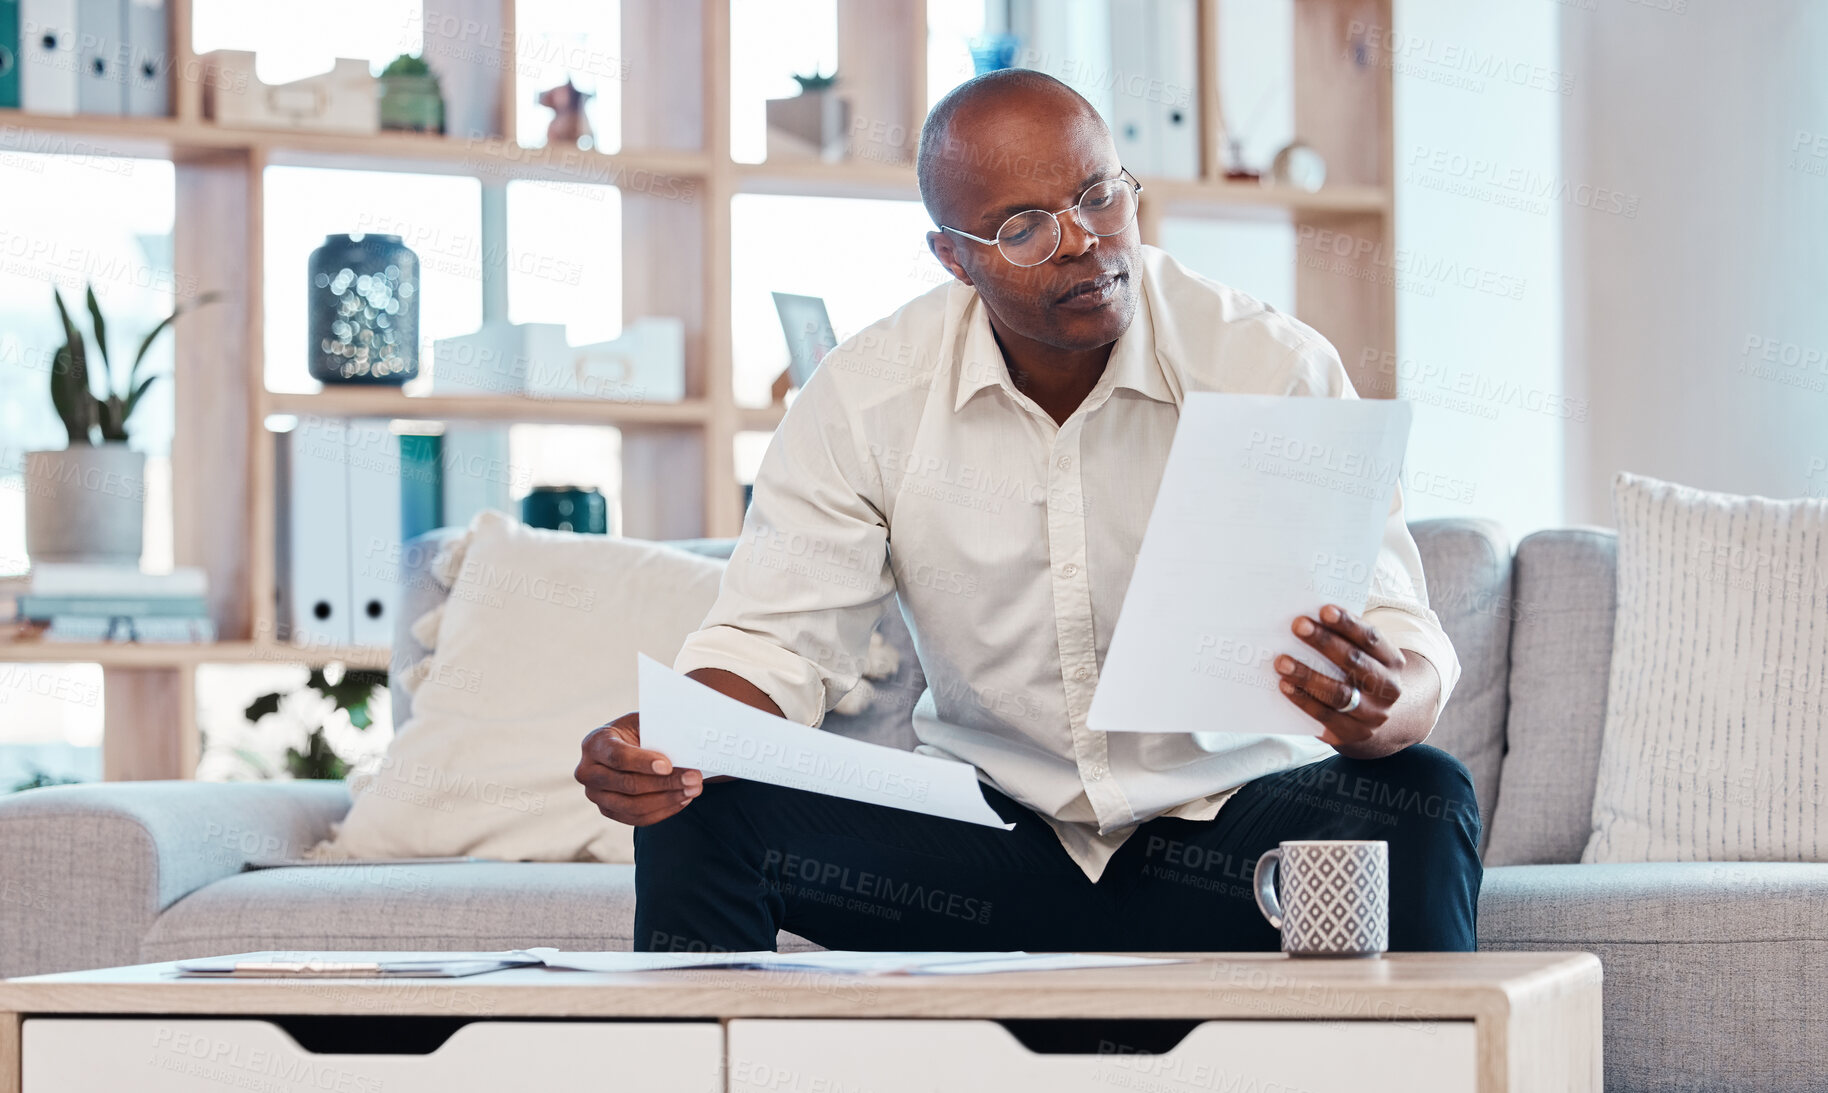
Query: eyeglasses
{"type": "Point", "coordinates": [1031, 238]}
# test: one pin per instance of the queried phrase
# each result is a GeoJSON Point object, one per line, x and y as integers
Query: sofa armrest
{"type": "Point", "coordinates": [84, 870]}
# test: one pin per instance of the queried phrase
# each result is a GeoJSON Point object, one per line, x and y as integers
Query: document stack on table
{"type": "Point", "coordinates": [382, 965]}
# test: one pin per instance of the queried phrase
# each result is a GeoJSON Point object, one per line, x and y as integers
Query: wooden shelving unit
{"type": "Point", "coordinates": [677, 179]}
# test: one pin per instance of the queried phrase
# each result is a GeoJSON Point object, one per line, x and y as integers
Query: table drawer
{"type": "Point", "coordinates": [1278, 1056]}
{"type": "Point", "coordinates": [110, 1055]}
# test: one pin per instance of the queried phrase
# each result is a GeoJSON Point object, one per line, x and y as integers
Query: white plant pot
{"type": "Point", "coordinates": [813, 124]}
{"type": "Point", "coordinates": [85, 504]}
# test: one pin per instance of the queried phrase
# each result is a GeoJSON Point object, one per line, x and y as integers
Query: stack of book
{"type": "Point", "coordinates": [81, 602]}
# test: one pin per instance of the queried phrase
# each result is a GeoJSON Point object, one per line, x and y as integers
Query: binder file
{"type": "Point", "coordinates": [100, 75]}
{"type": "Point", "coordinates": [9, 54]}
{"type": "Point", "coordinates": [146, 56]}
{"type": "Point", "coordinates": [313, 539]}
{"type": "Point", "coordinates": [1155, 108]}
{"type": "Point", "coordinates": [47, 56]}
{"type": "Point", "coordinates": [374, 532]}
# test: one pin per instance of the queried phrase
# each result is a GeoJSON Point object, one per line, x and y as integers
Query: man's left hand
{"type": "Point", "coordinates": [1385, 703]}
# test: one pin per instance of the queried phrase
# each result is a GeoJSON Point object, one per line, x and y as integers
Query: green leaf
{"type": "Point", "coordinates": [133, 397]}
{"type": "Point", "coordinates": [146, 344]}
{"type": "Point", "coordinates": [318, 760]}
{"type": "Point", "coordinates": [113, 414]}
{"type": "Point", "coordinates": [70, 395]}
{"type": "Point", "coordinates": [262, 706]}
{"type": "Point", "coordinates": [73, 340]}
{"type": "Point", "coordinates": [101, 339]}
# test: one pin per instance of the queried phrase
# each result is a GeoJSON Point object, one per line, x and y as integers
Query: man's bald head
{"type": "Point", "coordinates": [961, 135]}
{"type": "Point", "coordinates": [1005, 143]}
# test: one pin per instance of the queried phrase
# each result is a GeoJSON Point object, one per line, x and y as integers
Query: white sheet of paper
{"type": "Point", "coordinates": [700, 729]}
{"type": "Point", "coordinates": [1269, 508]}
{"type": "Point", "coordinates": [843, 962]}
{"type": "Point", "coordinates": [640, 962]}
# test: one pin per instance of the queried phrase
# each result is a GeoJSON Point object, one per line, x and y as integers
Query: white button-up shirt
{"type": "Point", "coordinates": [911, 464]}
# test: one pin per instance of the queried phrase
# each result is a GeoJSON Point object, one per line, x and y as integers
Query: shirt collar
{"type": "Point", "coordinates": [1134, 359]}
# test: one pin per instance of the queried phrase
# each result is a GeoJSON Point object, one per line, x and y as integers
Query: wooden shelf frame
{"type": "Point", "coordinates": [677, 180]}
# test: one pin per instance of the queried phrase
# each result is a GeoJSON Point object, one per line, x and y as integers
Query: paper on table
{"type": "Point", "coordinates": [640, 962]}
{"type": "Point", "coordinates": [699, 729]}
{"type": "Point", "coordinates": [1269, 508]}
{"type": "Point", "coordinates": [841, 962]}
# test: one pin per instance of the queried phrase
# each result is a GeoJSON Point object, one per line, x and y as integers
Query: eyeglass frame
{"type": "Point", "coordinates": [1136, 192]}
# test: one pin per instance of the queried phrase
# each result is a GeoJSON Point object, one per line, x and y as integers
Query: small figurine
{"type": "Point", "coordinates": [569, 126]}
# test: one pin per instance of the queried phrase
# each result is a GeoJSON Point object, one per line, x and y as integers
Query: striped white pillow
{"type": "Point", "coordinates": [1716, 740]}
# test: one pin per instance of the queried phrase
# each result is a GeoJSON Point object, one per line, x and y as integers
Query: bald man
{"type": "Point", "coordinates": [988, 456]}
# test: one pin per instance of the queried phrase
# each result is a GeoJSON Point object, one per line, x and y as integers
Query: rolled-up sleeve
{"type": "Point", "coordinates": [809, 579]}
{"type": "Point", "coordinates": [1398, 602]}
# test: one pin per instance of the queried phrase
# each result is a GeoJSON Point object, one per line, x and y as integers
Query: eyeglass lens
{"type": "Point", "coordinates": [1030, 238]}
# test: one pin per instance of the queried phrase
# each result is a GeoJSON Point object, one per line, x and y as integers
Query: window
{"type": "Point", "coordinates": [1253, 256]}
{"type": "Point", "coordinates": [52, 723]}
{"type": "Point", "coordinates": [73, 221]}
{"type": "Point", "coordinates": [292, 41]}
{"type": "Point", "coordinates": [866, 258]}
{"type": "Point", "coordinates": [771, 41]}
{"type": "Point", "coordinates": [564, 258]}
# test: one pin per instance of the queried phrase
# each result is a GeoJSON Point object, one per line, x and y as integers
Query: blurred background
{"type": "Point", "coordinates": [1582, 236]}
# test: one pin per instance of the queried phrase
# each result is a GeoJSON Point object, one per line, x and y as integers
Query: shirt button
{"type": "Point", "coordinates": [1082, 674]}
{"type": "Point", "coordinates": [1069, 569]}
{"type": "Point", "coordinates": [1066, 461]}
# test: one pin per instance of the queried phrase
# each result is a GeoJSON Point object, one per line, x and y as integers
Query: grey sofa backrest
{"type": "Point", "coordinates": [1467, 563]}
{"type": "Point", "coordinates": [1561, 663]}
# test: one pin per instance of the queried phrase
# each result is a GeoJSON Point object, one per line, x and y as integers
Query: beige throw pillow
{"type": "Point", "coordinates": [1716, 740]}
{"type": "Point", "coordinates": [534, 648]}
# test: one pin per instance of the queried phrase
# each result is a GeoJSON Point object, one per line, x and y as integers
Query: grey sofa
{"type": "Point", "coordinates": [1714, 972]}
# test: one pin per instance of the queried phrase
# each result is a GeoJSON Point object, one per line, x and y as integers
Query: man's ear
{"type": "Point", "coordinates": [944, 249]}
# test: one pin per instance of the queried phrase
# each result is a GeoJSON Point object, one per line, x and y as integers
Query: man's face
{"type": "Point", "coordinates": [1038, 152]}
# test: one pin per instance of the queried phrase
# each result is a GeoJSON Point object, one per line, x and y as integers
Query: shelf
{"type": "Point", "coordinates": [669, 173]}
{"type": "Point", "coordinates": [862, 179]}
{"type": "Point", "coordinates": [388, 402]}
{"type": "Point", "coordinates": [759, 419]}
{"type": "Point", "coordinates": [492, 158]}
{"type": "Point", "coordinates": [18, 648]}
{"type": "Point", "coordinates": [1179, 192]}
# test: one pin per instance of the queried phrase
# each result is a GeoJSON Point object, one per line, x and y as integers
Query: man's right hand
{"type": "Point", "coordinates": [629, 783]}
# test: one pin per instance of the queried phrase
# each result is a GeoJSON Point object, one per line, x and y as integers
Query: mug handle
{"type": "Point", "coordinates": [1265, 881]}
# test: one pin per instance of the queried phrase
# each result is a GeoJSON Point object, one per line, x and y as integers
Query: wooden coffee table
{"type": "Point", "coordinates": [1492, 1022]}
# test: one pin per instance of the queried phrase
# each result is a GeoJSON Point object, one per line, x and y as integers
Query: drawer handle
{"type": "Point", "coordinates": [1097, 1036]}
{"type": "Point", "coordinates": [368, 1035]}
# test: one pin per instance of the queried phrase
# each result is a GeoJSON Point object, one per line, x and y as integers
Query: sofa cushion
{"type": "Point", "coordinates": [1467, 564]}
{"type": "Point", "coordinates": [1714, 718]}
{"type": "Point", "coordinates": [1713, 970]}
{"type": "Point", "coordinates": [1561, 654]}
{"type": "Point", "coordinates": [473, 906]}
{"type": "Point", "coordinates": [534, 647]}
{"type": "Point", "coordinates": [887, 720]}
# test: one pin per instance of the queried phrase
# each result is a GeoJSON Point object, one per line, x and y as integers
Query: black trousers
{"type": "Point", "coordinates": [746, 859]}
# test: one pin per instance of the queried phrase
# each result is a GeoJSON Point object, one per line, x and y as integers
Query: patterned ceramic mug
{"type": "Point", "coordinates": [1335, 896]}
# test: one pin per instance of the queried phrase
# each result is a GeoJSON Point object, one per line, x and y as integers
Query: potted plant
{"type": "Point", "coordinates": [816, 122]}
{"type": "Point", "coordinates": [410, 98]}
{"type": "Point", "coordinates": [87, 502]}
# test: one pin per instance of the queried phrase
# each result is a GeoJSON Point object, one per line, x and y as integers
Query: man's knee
{"type": "Point", "coordinates": [1425, 783]}
{"type": "Point", "coordinates": [699, 833]}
